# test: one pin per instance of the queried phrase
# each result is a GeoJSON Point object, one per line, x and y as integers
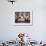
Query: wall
{"type": "Point", "coordinates": [9, 31]}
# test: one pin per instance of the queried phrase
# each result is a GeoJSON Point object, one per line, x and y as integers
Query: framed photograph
{"type": "Point", "coordinates": [23, 18]}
